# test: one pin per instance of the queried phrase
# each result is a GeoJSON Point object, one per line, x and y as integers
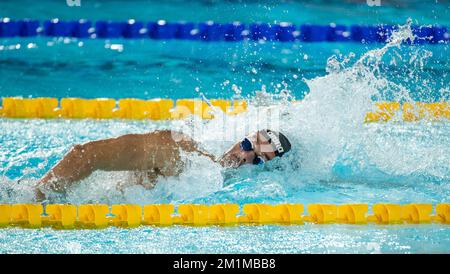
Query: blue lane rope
{"type": "Point", "coordinates": [211, 31]}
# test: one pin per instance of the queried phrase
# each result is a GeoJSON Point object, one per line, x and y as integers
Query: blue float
{"type": "Point", "coordinates": [263, 31]}
{"type": "Point", "coordinates": [134, 29]}
{"type": "Point", "coordinates": [313, 33]}
{"type": "Point", "coordinates": [285, 32]}
{"type": "Point", "coordinates": [274, 34]}
{"type": "Point", "coordinates": [82, 29]}
{"type": "Point", "coordinates": [28, 28]}
{"type": "Point", "coordinates": [423, 34]}
{"type": "Point", "coordinates": [107, 29]}
{"type": "Point", "coordinates": [337, 33]}
{"type": "Point", "coordinates": [8, 28]}
{"type": "Point", "coordinates": [186, 31]}
{"type": "Point", "coordinates": [370, 34]}
{"type": "Point", "coordinates": [364, 34]}
{"type": "Point", "coordinates": [356, 33]}
{"type": "Point", "coordinates": [440, 34]}
{"type": "Point", "coordinates": [162, 30]}
{"type": "Point", "coordinates": [210, 31]}
{"type": "Point", "coordinates": [234, 31]}
{"type": "Point", "coordinates": [58, 28]}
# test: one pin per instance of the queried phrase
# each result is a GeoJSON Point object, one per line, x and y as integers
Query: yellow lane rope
{"type": "Point", "coordinates": [68, 216]}
{"type": "Point", "coordinates": [165, 109]}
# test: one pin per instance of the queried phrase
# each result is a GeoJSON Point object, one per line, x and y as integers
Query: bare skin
{"type": "Point", "coordinates": [153, 154]}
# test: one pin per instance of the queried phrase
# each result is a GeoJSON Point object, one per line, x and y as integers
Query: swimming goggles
{"type": "Point", "coordinates": [247, 145]}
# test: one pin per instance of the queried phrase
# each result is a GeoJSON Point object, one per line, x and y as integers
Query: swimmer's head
{"type": "Point", "coordinates": [256, 148]}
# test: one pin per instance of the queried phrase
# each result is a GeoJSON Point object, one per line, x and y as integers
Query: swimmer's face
{"type": "Point", "coordinates": [236, 156]}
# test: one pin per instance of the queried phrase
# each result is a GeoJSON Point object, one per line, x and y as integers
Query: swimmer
{"type": "Point", "coordinates": [153, 154]}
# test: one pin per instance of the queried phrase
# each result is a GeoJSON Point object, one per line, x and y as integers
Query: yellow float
{"type": "Point", "coordinates": [93, 216]}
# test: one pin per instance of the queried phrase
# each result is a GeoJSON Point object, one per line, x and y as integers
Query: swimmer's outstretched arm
{"type": "Point", "coordinates": [126, 152]}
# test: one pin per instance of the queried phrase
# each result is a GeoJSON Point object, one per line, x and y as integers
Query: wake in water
{"type": "Point", "coordinates": [335, 156]}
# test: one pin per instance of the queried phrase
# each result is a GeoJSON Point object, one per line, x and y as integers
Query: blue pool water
{"type": "Point", "coordinates": [336, 158]}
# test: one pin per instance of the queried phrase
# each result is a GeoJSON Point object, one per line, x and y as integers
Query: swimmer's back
{"type": "Point", "coordinates": [162, 150]}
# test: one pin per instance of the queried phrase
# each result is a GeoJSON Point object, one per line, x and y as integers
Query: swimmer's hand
{"type": "Point", "coordinates": [39, 196]}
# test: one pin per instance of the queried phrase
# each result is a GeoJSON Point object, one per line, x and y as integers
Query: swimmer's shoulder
{"type": "Point", "coordinates": [168, 134]}
{"type": "Point", "coordinates": [180, 141]}
{"type": "Point", "coordinates": [171, 136]}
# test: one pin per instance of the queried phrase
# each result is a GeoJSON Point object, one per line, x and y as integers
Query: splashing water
{"type": "Point", "coordinates": [335, 156]}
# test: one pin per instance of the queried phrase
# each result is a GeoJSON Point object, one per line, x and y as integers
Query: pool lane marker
{"type": "Point", "coordinates": [95, 216]}
{"type": "Point", "coordinates": [166, 109]}
{"type": "Point", "coordinates": [213, 32]}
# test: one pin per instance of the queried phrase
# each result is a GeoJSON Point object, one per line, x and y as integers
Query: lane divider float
{"type": "Point", "coordinates": [104, 108]}
{"type": "Point", "coordinates": [93, 216]}
{"type": "Point", "coordinates": [408, 112]}
{"type": "Point", "coordinates": [212, 31]}
{"type": "Point", "coordinates": [166, 109]}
